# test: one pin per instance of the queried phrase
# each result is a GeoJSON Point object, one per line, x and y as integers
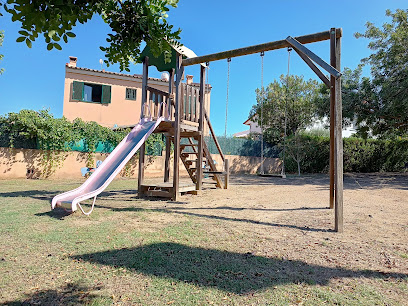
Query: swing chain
{"type": "Point", "coordinates": [286, 120]}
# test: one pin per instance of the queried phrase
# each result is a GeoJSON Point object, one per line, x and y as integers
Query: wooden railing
{"type": "Point", "coordinates": [190, 106]}
{"type": "Point", "coordinates": [155, 97]}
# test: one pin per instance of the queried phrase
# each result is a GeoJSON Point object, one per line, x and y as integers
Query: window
{"type": "Point", "coordinates": [130, 94]}
{"type": "Point", "coordinates": [88, 92]}
{"type": "Point", "coordinates": [92, 93]}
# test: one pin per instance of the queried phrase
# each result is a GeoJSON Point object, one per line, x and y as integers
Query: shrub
{"type": "Point", "coordinates": [360, 155]}
{"type": "Point", "coordinates": [30, 129]}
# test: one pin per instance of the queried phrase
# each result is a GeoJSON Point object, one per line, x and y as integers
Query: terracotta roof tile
{"type": "Point", "coordinates": [137, 76]}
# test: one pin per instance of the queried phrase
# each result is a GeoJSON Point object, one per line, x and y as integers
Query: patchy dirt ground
{"type": "Point", "coordinates": [264, 240]}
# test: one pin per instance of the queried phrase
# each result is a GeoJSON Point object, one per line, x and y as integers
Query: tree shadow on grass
{"type": "Point", "coordinates": [232, 272]}
{"type": "Point", "coordinates": [71, 294]}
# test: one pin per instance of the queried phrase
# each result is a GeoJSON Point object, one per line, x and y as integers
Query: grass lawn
{"type": "Point", "coordinates": [263, 241]}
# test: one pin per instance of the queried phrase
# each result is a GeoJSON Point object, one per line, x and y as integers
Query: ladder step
{"type": "Point", "coordinates": [190, 162]}
{"type": "Point", "coordinates": [214, 172]}
{"type": "Point", "coordinates": [186, 154]}
{"type": "Point", "coordinates": [210, 182]}
{"type": "Point", "coordinates": [189, 145]}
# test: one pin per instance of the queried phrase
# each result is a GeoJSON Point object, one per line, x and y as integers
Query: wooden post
{"type": "Point", "coordinates": [167, 160]}
{"type": "Point", "coordinates": [140, 177]}
{"type": "Point", "coordinates": [179, 76]}
{"type": "Point", "coordinates": [338, 147]}
{"type": "Point", "coordinates": [199, 165]}
{"type": "Point", "coordinates": [169, 99]}
{"type": "Point", "coordinates": [226, 183]}
{"type": "Point", "coordinates": [332, 114]}
{"type": "Point", "coordinates": [142, 150]}
{"type": "Point", "coordinates": [144, 84]}
{"type": "Point", "coordinates": [167, 112]}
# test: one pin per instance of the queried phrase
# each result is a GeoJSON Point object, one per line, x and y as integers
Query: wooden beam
{"type": "Point", "coordinates": [226, 179]}
{"type": "Point", "coordinates": [338, 148]}
{"type": "Point", "coordinates": [217, 144]}
{"type": "Point", "coordinates": [176, 173]}
{"type": "Point", "coordinates": [140, 176]}
{"type": "Point", "coordinates": [300, 48]}
{"type": "Point", "coordinates": [144, 85]}
{"type": "Point", "coordinates": [274, 45]}
{"type": "Point", "coordinates": [168, 141]}
{"type": "Point", "coordinates": [170, 97]}
{"type": "Point", "coordinates": [199, 172]}
{"type": "Point", "coordinates": [167, 160]}
{"type": "Point", "coordinates": [142, 150]}
{"type": "Point", "coordinates": [312, 66]}
{"type": "Point", "coordinates": [332, 116]}
{"type": "Point", "coordinates": [157, 91]}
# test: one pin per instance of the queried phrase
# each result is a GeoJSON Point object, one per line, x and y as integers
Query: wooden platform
{"type": "Point", "coordinates": [167, 127]}
{"type": "Point", "coordinates": [165, 190]}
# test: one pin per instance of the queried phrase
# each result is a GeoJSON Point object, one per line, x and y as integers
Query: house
{"type": "Point", "coordinates": [253, 129]}
{"type": "Point", "coordinates": [108, 98]}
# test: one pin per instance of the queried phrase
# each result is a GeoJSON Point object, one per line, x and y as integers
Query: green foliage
{"type": "Point", "coordinates": [131, 22]}
{"type": "Point", "coordinates": [389, 62]}
{"type": "Point", "coordinates": [307, 153]}
{"type": "Point", "coordinates": [56, 136]}
{"type": "Point", "coordinates": [36, 127]}
{"type": "Point", "coordinates": [41, 130]}
{"type": "Point", "coordinates": [360, 155]}
{"type": "Point", "coordinates": [377, 106]}
{"type": "Point", "coordinates": [291, 97]}
{"type": "Point", "coordinates": [356, 91]}
{"type": "Point", "coordinates": [1, 55]}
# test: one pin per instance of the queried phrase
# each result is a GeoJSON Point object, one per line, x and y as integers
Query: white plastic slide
{"type": "Point", "coordinates": [106, 172]}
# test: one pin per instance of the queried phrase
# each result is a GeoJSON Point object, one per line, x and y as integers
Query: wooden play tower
{"type": "Point", "coordinates": [183, 107]}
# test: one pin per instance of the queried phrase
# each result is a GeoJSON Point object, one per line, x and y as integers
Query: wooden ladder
{"type": "Point", "coordinates": [191, 163]}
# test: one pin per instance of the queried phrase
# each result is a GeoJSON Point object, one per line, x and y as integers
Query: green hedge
{"type": "Point", "coordinates": [360, 155]}
{"type": "Point", "coordinates": [29, 129]}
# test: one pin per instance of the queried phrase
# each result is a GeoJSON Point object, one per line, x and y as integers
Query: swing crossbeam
{"type": "Point", "coordinates": [274, 45]}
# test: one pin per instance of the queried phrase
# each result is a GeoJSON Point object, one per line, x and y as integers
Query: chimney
{"type": "Point", "coordinates": [189, 79]}
{"type": "Point", "coordinates": [72, 61]}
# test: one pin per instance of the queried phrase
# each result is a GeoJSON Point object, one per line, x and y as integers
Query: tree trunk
{"type": "Point", "coordinates": [298, 162]}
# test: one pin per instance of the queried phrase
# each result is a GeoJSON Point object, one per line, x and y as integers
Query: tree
{"type": "Point", "coordinates": [378, 106]}
{"type": "Point", "coordinates": [389, 71]}
{"type": "Point", "coordinates": [131, 21]}
{"type": "Point", "coordinates": [291, 97]}
{"type": "Point", "coordinates": [356, 92]}
{"type": "Point", "coordinates": [1, 55]}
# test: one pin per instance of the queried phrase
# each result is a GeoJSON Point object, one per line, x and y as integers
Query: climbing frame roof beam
{"type": "Point", "coordinates": [274, 45]}
{"type": "Point", "coordinates": [302, 49]}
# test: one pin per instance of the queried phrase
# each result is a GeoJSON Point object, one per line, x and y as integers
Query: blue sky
{"type": "Point", "coordinates": [34, 78]}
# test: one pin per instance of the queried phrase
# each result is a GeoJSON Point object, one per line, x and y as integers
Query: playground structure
{"type": "Point", "coordinates": [180, 114]}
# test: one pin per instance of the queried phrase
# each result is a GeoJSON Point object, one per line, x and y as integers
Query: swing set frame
{"type": "Point", "coordinates": [333, 82]}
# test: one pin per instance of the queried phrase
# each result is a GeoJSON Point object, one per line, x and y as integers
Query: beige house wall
{"type": "Point", "coordinates": [15, 163]}
{"type": "Point", "coordinates": [120, 111]}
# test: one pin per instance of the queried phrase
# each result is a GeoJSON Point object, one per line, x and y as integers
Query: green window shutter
{"type": "Point", "coordinates": [106, 94]}
{"type": "Point", "coordinates": [77, 90]}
